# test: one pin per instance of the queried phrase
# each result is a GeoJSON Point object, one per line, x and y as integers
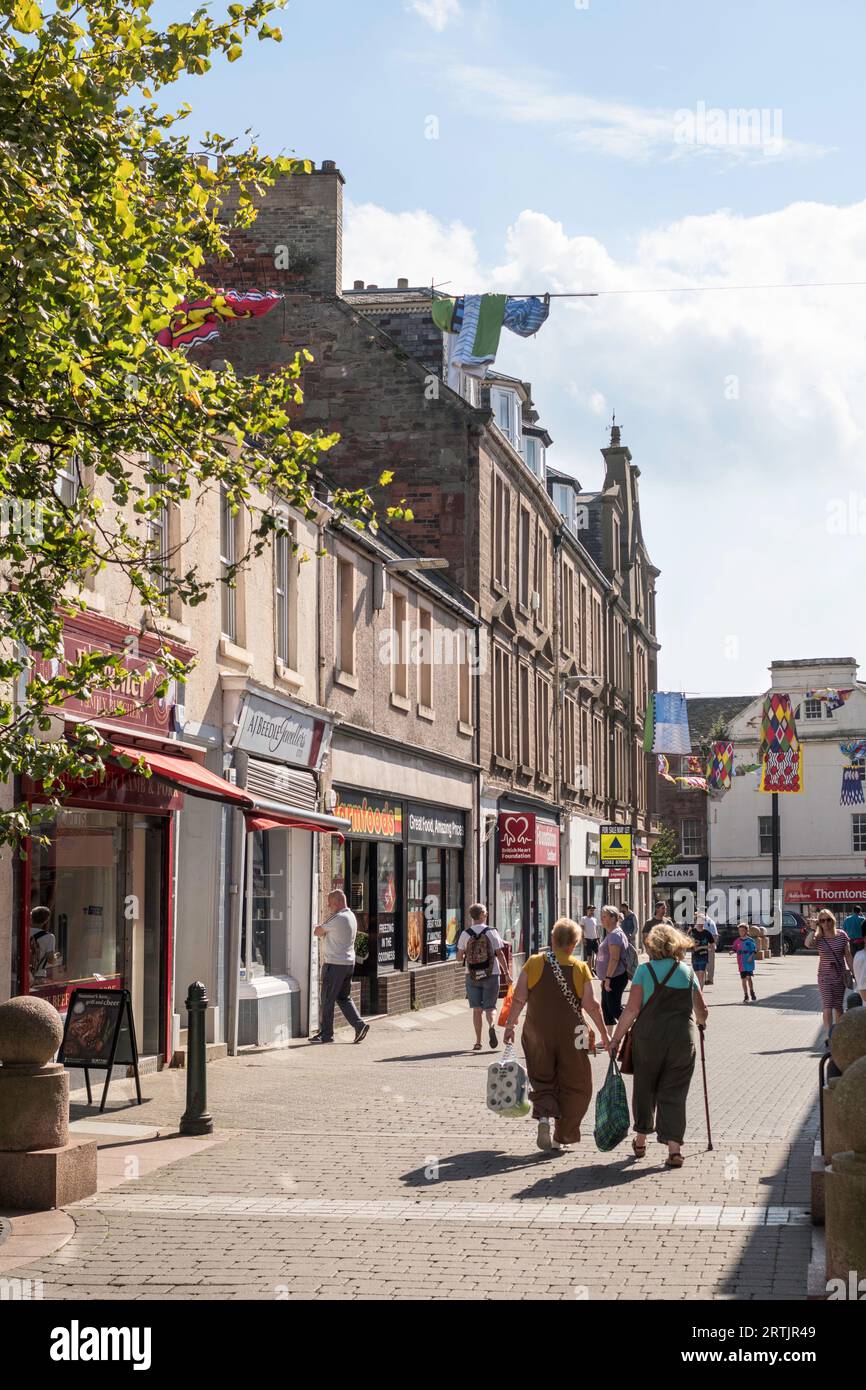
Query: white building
{"type": "Point", "coordinates": [822, 843]}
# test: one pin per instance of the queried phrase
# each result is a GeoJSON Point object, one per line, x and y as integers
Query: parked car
{"type": "Point", "coordinates": [794, 931]}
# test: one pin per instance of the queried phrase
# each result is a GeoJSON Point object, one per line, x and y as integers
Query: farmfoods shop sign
{"type": "Point", "coordinates": [370, 817]}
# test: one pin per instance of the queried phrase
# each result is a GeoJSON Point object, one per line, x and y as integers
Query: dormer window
{"type": "Point", "coordinates": [533, 453]}
{"type": "Point", "coordinates": [505, 413]}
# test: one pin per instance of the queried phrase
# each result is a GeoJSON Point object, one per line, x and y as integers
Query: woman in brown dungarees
{"type": "Point", "coordinates": [663, 1003]}
{"type": "Point", "coordinates": [557, 991]}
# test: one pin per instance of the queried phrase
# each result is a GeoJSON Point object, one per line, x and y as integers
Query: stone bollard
{"type": "Point", "coordinates": [845, 1180]}
{"type": "Point", "coordinates": [40, 1167]}
{"type": "Point", "coordinates": [195, 1119]}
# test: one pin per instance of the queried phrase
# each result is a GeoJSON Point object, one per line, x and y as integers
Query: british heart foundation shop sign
{"type": "Point", "coordinates": [525, 838]}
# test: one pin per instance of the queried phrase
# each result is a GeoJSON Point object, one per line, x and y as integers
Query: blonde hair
{"type": "Point", "coordinates": [667, 943]}
{"type": "Point", "coordinates": [565, 934]}
{"type": "Point", "coordinates": [613, 912]}
{"type": "Point", "coordinates": [825, 915]}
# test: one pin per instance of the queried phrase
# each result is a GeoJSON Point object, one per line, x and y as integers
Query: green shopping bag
{"type": "Point", "coordinates": [611, 1110]}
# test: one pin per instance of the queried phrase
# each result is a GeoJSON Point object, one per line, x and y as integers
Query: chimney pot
{"type": "Point", "coordinates": [402, 283]}
{"type": "Point", "coordinates": [372, 287]}
{"type": "Point", "coordinates": [328, 164]}
{"type": "Point", "coordinates": [358, 285]}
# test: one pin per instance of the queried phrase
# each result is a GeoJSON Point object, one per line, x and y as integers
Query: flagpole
{"type": "Point", "coordinates": [776, 940]}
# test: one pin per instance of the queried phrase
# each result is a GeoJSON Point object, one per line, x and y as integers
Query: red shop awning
{"type": "Point", "coordinates": [189, 776]}
{"type": "Point", "coordinates": [260, 819]}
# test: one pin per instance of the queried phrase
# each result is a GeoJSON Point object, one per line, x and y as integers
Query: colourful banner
{"type": "Point", "coordinates": [719, 767]}
{"type": "Point", "coordinates": [852, 787]}
{"type": "Point", "coordinates": [855, 751]}
{"type": "Point", "coordinates": [666, 729]}
{"type": "Point", "coordinates": [778, 729]}
{"type": "Point", "coordinates": [197, 321]}
{"type": "Point", "coordinates": [832, 698]}
{"type": "Point", "coordinates": [782, 770]}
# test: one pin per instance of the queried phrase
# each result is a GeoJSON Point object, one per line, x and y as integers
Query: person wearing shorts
{"type": "Point", "coordinates": [482, 992]}
{"type": "Point", "coordinates": [746, 949]}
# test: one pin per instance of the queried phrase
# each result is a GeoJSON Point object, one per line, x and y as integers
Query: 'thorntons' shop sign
{"type": "Point", "coordinates": [527, 839]}
{"type": "Point", "coordinates": [825, 890]}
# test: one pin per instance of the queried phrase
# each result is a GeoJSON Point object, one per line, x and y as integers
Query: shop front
{"type": "Point", "coordinates": [527, 873]}
{"type": "Point", "coordinates": [95, 901]}
{"type": "Point", "coordinates": [402, 868]}
{"type": "Point", "coordinates": [808, 895]}
{"type": "Point", "coordinates": [278, 750]}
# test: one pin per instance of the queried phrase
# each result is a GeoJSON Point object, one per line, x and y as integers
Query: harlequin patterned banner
{"type": "Point", "coordinates": [667, 724]}
{"type": "Point", "coordinates": [852, 787]}
{"type": "Point", "coordinates": [196, 321]}
{"type": "Point", "coordinates": [833, 698]}
{"type": "Point", "coordinates": [855, 750]}
{"type": "Point", "coordinates": [783, 771]}
{"type": "Point", "coordinates": [778, 730]}
{"type": "Point", "coordinates": [719, 767]}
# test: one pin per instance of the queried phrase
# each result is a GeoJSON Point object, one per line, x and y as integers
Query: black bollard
{"type": "Point", "coordinates": [195, 1119]}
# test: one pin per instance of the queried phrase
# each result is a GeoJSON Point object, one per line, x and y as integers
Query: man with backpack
{"type": "Point", "coordinates": [480, 948]}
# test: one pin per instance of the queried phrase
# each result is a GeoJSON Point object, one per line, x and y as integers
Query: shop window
{"type": "Point", "coordinates": [511, 907]}
{"type": "Point", "coordinates": [264, 918]}
{"type": "Point", "coordinates": [228, 558]}
{"type": "Point", "coordinates": [544, 900]}
{"type": "Point", "coordinates": [453, 901]}
{"type": "Point", "coordinates": [858, 828]}
{"type": "Point", "coordinates": [100, 875]}
{"type": "Point", "coordinates": [345, 619]}
{"type": "Point", "coordinates": [286, 595]}
{"type": "Point", "coordinates": [434, 940]}
{"type": "Point", "coordinates": [415, 902]}
{"type": "Point", "coordinates": [358, 894]}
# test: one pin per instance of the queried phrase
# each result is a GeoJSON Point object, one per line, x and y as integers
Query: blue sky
{"type": "Point", "coordinates": [559, 162]}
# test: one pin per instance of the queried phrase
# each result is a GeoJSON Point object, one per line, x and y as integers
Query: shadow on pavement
{"type": "Point", "coordinates": [490, 1056]}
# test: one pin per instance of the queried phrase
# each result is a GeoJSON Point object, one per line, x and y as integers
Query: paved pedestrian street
{"type": "Point", "coordinates": [376, 1172]}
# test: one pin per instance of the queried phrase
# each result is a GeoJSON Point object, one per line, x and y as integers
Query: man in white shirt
{"type": "Point", "coordinates": [481, 947]}
{"type": "Point", "coordinates": [42, 946]}
{"type": "Point", "coordinates": [338, 935]}
{"type": "Point", "coordinates": [589, 926]}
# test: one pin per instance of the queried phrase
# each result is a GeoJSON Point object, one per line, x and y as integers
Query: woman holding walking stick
{"type": "Point", "coordinates": [663, 1004]}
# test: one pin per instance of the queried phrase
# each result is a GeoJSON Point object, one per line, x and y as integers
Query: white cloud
{"type": "Point", "coordinates": [437, 13]}
{"type": "Point", "coordinates": [622, 131]}
{"type": "Point", "coordinates": [745, 410]}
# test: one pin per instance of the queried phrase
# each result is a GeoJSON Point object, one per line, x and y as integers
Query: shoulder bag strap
{"type": "Point", "coordinates": [563, 983]}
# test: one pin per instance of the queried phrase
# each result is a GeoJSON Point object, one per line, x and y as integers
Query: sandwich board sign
{"type": "Point", "coordinates": [615, 846]}
{"type": "Point", "coordinates": [99, 1034]}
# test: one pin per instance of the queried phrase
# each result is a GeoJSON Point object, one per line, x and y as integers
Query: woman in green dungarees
{"type": "Point", "coordinates": [663, 1003]}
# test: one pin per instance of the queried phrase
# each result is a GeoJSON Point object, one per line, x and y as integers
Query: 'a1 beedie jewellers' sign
{"type": "Point", "coordinates": [268, 729]}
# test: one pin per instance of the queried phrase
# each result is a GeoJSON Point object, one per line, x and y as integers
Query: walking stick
{"type": "Point", "coordinates": [706, 1097]}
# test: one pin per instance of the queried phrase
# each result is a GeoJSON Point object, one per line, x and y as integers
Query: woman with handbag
{"type": "Point", "coordinates": [556, 990]}
{"type": "Point", "coordinates": [834, 964]}
{"type": "Point", "coordinates": [658, 1027]}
